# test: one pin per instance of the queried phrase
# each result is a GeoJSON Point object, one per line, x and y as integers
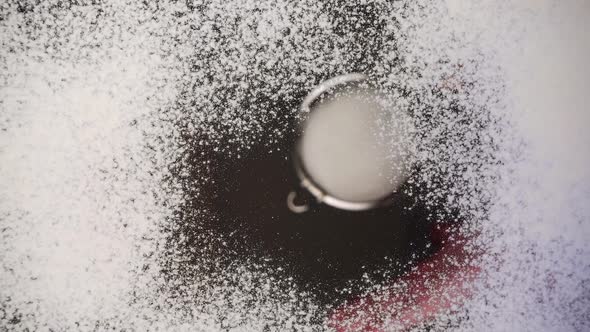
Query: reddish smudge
{"type": "Point", "coordinates": [437, 284]}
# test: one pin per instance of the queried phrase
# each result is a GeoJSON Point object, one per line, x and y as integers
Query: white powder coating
{"type": "Point", "coordinates": [542, 210]}
{"type": "Point", "coordinates": [85, 197]}
{"type": "Point", "coordinates": [343, 154]}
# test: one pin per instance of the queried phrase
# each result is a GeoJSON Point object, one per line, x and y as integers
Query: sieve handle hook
{"type": "Point", "coordinates": [293, 206]}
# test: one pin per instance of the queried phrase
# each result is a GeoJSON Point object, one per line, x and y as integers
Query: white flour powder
{"type": "Point", "coordinates": [96, 102]}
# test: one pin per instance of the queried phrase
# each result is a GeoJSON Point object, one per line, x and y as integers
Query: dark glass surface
{"type": "Point", "coordinates": [323, 248]}
{"type": "Point", "coordinates": [243, 200]}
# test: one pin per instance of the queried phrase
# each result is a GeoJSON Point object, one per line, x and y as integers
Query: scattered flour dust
{"type": "Point", "coordinates": [89, 92]}
{"type": "Point", "coordinates": [78, 211]}
{"type": "Point", "coordinates": [542, 211]}
{"type": "Point", "coordinates": [537, 226]}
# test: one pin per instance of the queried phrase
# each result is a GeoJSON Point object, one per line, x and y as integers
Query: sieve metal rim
{"type": "Point", "coordinates": [306, 181]}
